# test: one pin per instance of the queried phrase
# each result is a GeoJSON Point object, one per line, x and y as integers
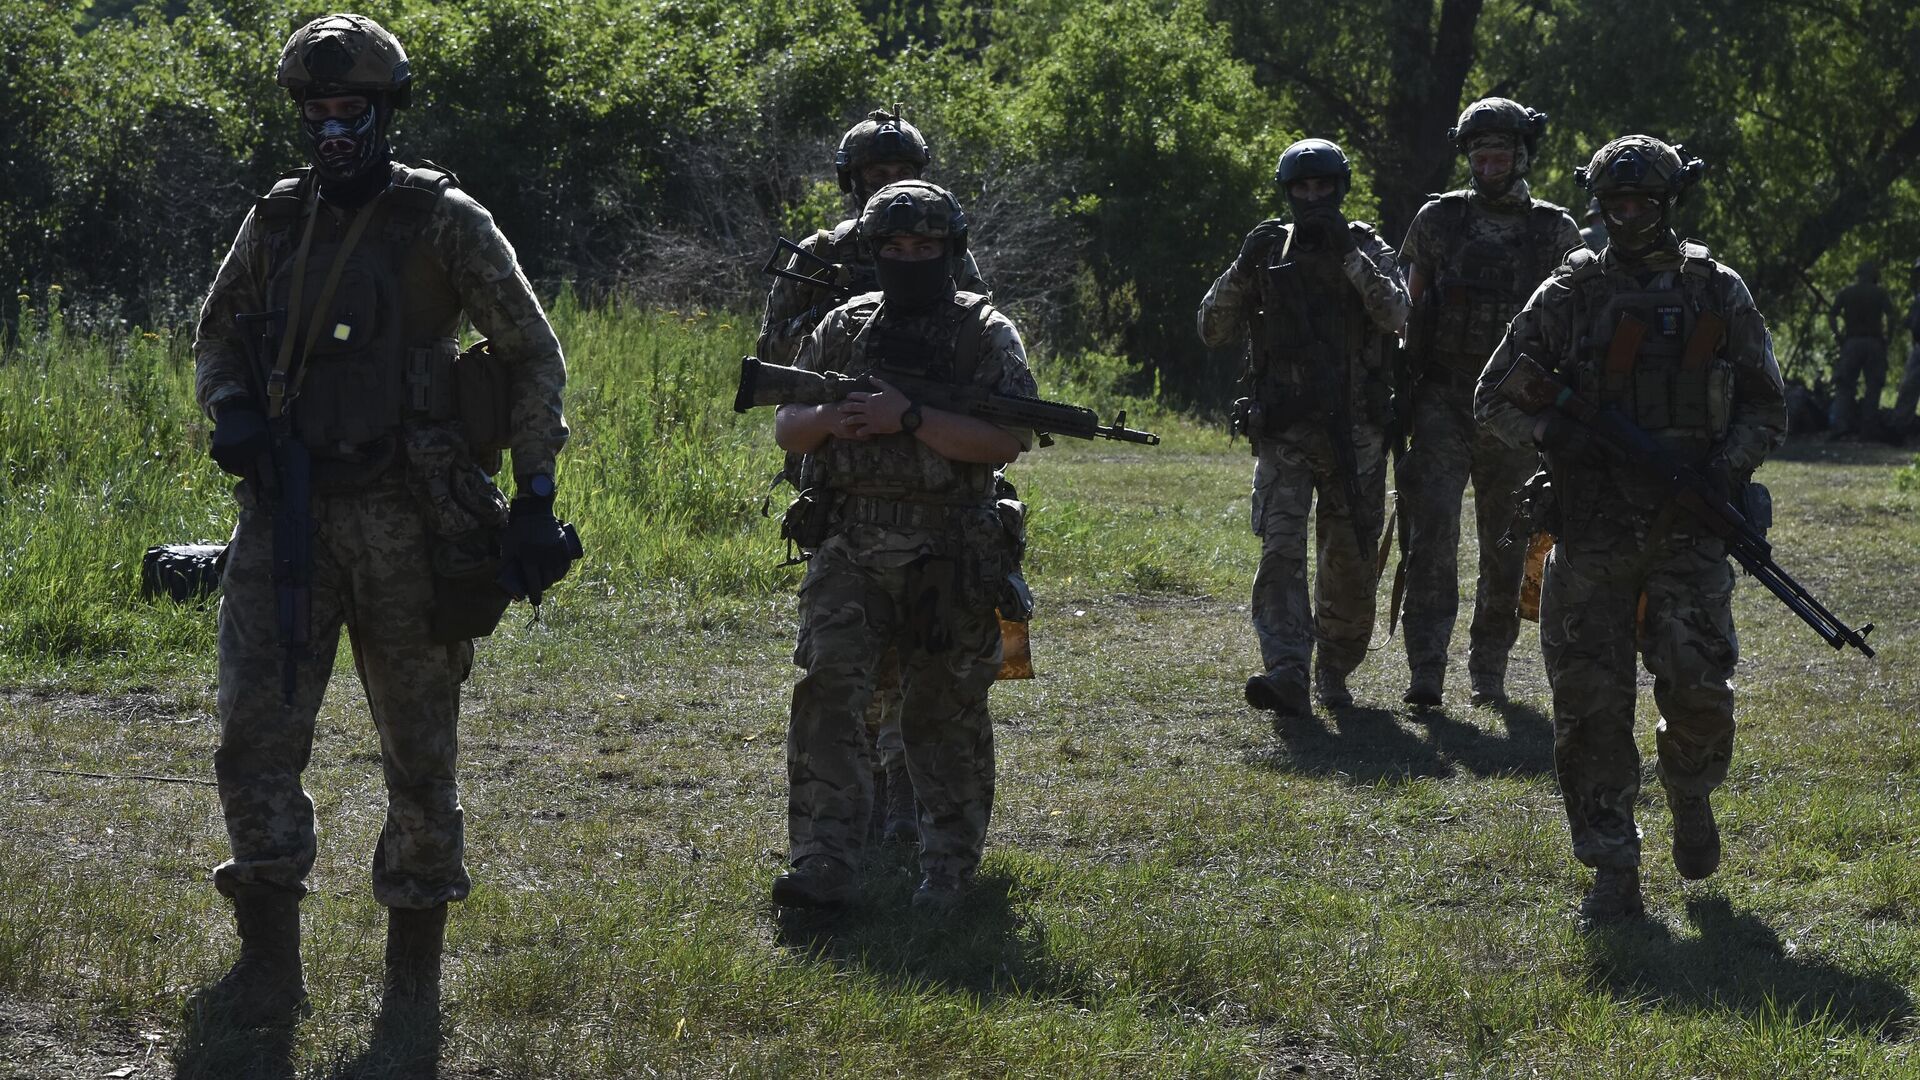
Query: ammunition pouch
{"type": "Point", "coordinates": [1756, 505]}
{"type": "Point", "coordinates": [466, 515]}
{"type": "Point", "coordinates": [483, 403]}
{"type": "Point", "coordinates": [1012, 598]}
{"type": "Point", "coordinates": [808, 520]}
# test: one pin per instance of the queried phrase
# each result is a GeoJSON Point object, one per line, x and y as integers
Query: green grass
{"type": "Point", "coordinates": [1171, 888]}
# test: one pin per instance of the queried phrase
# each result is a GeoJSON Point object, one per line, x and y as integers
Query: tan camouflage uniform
{"type": "Point", "coordinates": [372, 570]}
{"type": "Point", "coordinates": [1630, 573]}
{"type": "Point", "coordinates": [902, 571]}
{"type": "Point", "coordinates": [1296, 460]}
{"type": "Point", "coordinates": [1481, 259]}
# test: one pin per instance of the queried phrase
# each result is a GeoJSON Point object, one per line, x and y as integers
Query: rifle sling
{"type": "Point", "coordinates": [279, 394]}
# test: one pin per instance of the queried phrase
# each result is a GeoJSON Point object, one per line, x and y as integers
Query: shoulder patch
{"type": "Point", "coordinates": [280, 206]}
{"type": "Point", "coordinates": [1580, 264]}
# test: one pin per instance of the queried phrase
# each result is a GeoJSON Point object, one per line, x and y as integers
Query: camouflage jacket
{"type": "Point", "coordinates": [478, 275]}
{"type": "Point", "coordinates": [794, 309]}
{"type": "Point", "coordinates": [1863, 310]}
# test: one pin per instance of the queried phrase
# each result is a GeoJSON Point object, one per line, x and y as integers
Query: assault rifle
{"type": "Point", "coordinates": [763, 384]}
{"type": "Point", "coordinates": [1533, 390]}
{"type": "Point", "coordinates": [841, 280]}
{"type": "Point", "coordinates": [284, 477]}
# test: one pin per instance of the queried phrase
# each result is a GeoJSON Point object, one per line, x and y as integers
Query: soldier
{"type": "Point", "coordinates": [1867, 309]}
{"type": "Point", "coordinates": [877, 151]}
{"type": "Point", "coordinates": [912, 561]}
{"type": "Point", "coordinates": [1318, 301]}
{"type": "Point", "coordinates": [1904, 420]}
{"type": "Point", "coordinates": [358, 270]}
{"type": "Point", "coordinates": [1595, 234]}
{"type": "Point", "coordinates": [1658, 330]}
{"type": "Point", "coordinates": [1472, 258]}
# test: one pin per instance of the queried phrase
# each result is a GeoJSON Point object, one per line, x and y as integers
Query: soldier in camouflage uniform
{"type": "Point", "coordinates": [1658, 330]}
{"type": "Point", "coordinates": [877, 151]}
{"type": "Point", "coordinates": [1318, 302]}
{"type": "Point", "coordinates": [1859, 320]}
{"type": "Point", "coordinates": [913, 559]}
{"type": "Point", "coordinates": [1472, 258]}
{"type": "Point", "coordinates": [1904, 420]}
{"type": "Point", "coordinates": [364, 390]}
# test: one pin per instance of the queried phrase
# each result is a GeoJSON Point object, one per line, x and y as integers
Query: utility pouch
{"type": "Point", "coordinates": [1756, 504]}
{"type": "Point", "coordinates": [483, 401]}
{"type": "Point", "coordinates": [466, 514]}
{"type": "Point", "coordinates": [468, 601]}
{"type": "Point", "coordinates": [808, 520]}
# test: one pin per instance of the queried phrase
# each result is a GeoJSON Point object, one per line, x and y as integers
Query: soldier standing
{"type": "Point", "coordinates": [1909, 395]}
{"type": "Point", "coordinates": [913, 560]}
{"type": "Point", "coordinates": [1866, 311]}
{"type": "Point", "coordinates": [1319, 301]}
{"type": "Point", "coordinates": [325, 357]}
{"type": "Point", "coordinates": [880, 150]}
{"type": "Point", "coordinates": [1472, 258]}
{"type": "Point", "coordinates": [1659, 331]}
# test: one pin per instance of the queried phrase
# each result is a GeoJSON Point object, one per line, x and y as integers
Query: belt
{"type": "Point", "coordinates": [903, 513]}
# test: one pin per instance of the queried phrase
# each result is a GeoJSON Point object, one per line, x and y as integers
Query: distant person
{"type": "Point", "coordinates": [1859, 319]}
{"type": "Point", "coordinates": [1595, 234]}
{"type": "Point", "coordinates": [1317, 301]}
{"type": "Point", "coordinates": [1472, 259]}
{"type": "Point", "coordinates": [325, 356]}
{"type": "Point", "coordinates": [1904, 420]}
{"type": "Point", "coordinates": [1669, 337]}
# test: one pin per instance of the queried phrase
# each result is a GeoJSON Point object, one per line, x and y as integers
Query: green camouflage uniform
{"type": "Point", "coordinates": [1362, 301]}
{"type": "Point", "coordinates": [1481, 258]}
{"type": "Point", "coordinates": [911, 566]}
{"type": "Point", "coordinates": [372, 541]}
{"type": "Point", "coordinates": [1703, 382]}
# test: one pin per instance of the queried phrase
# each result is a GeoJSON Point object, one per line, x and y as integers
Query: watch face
{"type": "Point", "coordinates": [542, 486]}
{"type": "Point", "coordinates": [910, 420]}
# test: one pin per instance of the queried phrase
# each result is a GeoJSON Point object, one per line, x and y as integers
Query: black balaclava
{"type": "Point", "coordinates": [914, 287]}
{"type": "Point", "coordinates": [1638, 237]}
{"type": "Point", "coordinates": [1311, 239]}
{"type": "Point", "coordinates": [351, 157]}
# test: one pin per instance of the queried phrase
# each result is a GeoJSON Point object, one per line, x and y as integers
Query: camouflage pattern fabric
{"type": "Point", "coordinates": [1622, 540]}
{"type": "Point", "coordinates": [1447, 448]}
{"type": "Point", "coordinates": [1858, 379]}
{"type": "Point", "coordinates": [871, 589]}
{"type": "Point", "coordinates": [370, 575]}
{"type": "Point", "coordinates": [794, 309]}
{"type": "Point", "coordinates": [1289, 472]}
{"type": "Point", "coordinates": [883, 713]}
{"type": "Point", "coordinates": [482, 278]}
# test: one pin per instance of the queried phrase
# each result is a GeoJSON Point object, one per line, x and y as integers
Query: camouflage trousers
{"type": "Point", "coordinates": [1909, 394]}
{"type": "Point", "coordinates": [883, 713]}
{"type": "Point", "coordinates": [1289, 471]}
{"type": "Point", "coordinates": [371, 574]}
{"type": "Point", "coordinates": [851, 614]}
{"type": "Point", "coordinates": [1448, 449]}
{"type": "Point", "coordinates": [1591, 626]}
{"type": "Point", "coordinates": [1863, 361]}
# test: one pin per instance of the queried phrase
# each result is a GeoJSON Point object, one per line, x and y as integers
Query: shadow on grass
{"type": "Point", "coordinates": [1738, 963]}
{"type": "Point", "coordinates": [1823, 450]}
{"type": "Point", "coordinates": [1368, 745]}
{"type": "Point", "coordinates": [213, 1048]}
{"type": "Point", "coordinates": [985, 947]}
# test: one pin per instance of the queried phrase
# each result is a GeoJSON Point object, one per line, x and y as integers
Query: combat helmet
{"type": "Point", "coordinates": [1497, 115]}
{"type": "Point", "coordinates": [1642, 165]}
{"type": "Point", "coordinates": [1310, 158]}
{"type": "Point", "coordinates": [914, 208]}
{"type": "Point", "coordinates": [883, 136]}
{"type": "Point", "coordinates": [346, 54]}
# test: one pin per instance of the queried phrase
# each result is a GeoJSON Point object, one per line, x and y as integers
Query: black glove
{"type": "Point", "coordinates": [1253, 250]}
{"type": "Point", "coordinates": [240, 437]}
{"type": "Point", "coordinates": [1719, 477]}
{"type": "Point", "coordinates": [538, 549]}
{"type": "Point", "coordinates": [1568, 441]}
{"type": "Point", "coordinates": [1328, 228]}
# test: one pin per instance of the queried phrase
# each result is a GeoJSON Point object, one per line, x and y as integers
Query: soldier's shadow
{"type": "Point", "coordinates": [213, 1048]}
{"type": "Point", "coordinates": [1739, 963]}
{"type": "Point", "coordinates": [1366, 745]}
{"type": "Point", "coordinates": [986, 947]}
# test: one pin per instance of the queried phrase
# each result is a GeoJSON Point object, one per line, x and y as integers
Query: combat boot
{"type": "Point", "coordinates": [816, 881]}
{"type": "Point", "coordinates": [938, 895]}
{"type": "Point", "coordinates": [1489, 688]}
{"type": "Point", "coordinates": [1279, 695]}
{"type": "Point", "coordinates": [1330, 687]}
{"type": "Point", "coordinates": [264, 988]}
{"type": "Point", "coordinates": [407, 1029]}
{"type": "Point", "coordinates": [1614, 897]}
{"type": "Point", "coordinates": [1696, 837]}
{"type": "Point", "coordinates": [903, 810]}
{"type": "Point", "coordinates": [1424, 690]}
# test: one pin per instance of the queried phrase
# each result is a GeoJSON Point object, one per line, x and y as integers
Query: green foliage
{"type": "Point", "coordinates": [1907, 477]}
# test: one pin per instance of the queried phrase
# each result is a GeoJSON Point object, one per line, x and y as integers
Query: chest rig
{"type": "Point", "coordinates": [379, 355]}
{"type": "Point", "coordinates": [944, 345]}
{"type": "Point", "coordinates": [1490, 264]}
{"type": "Point", "coordinates": [1313, 337]}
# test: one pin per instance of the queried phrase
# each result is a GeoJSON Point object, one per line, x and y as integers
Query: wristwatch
{"type": "Point", "coordinates": [910, 420]}
{"type": "Point", "coordinates": [539, 485]}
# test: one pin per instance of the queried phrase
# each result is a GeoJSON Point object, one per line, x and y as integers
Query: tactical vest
{"type": "Point", "coordinates": [1280, 357]}
{"type": "Point", "coordinates": [1655, 352]}
{"type": "Point", "coordinates": [1481, 284]}
{"type": "Point", "coordinates": [943, 346]}
{"type": "Point", "coordinates": [377, 360]}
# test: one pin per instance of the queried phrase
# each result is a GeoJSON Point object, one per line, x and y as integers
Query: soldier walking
{"type": "Point", "coordinates": [1659, 331]}
{"type": "Point", "coordinates": [912, 561]}
{"type": "Point", "coordinates": [1318, 301]}
{"type": "Point", "coordinates": [1472, 258]}
{"type": "Point", "coordinates": [1859, 320]}
{"type": "Point", "coordinates": [326, 357]}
